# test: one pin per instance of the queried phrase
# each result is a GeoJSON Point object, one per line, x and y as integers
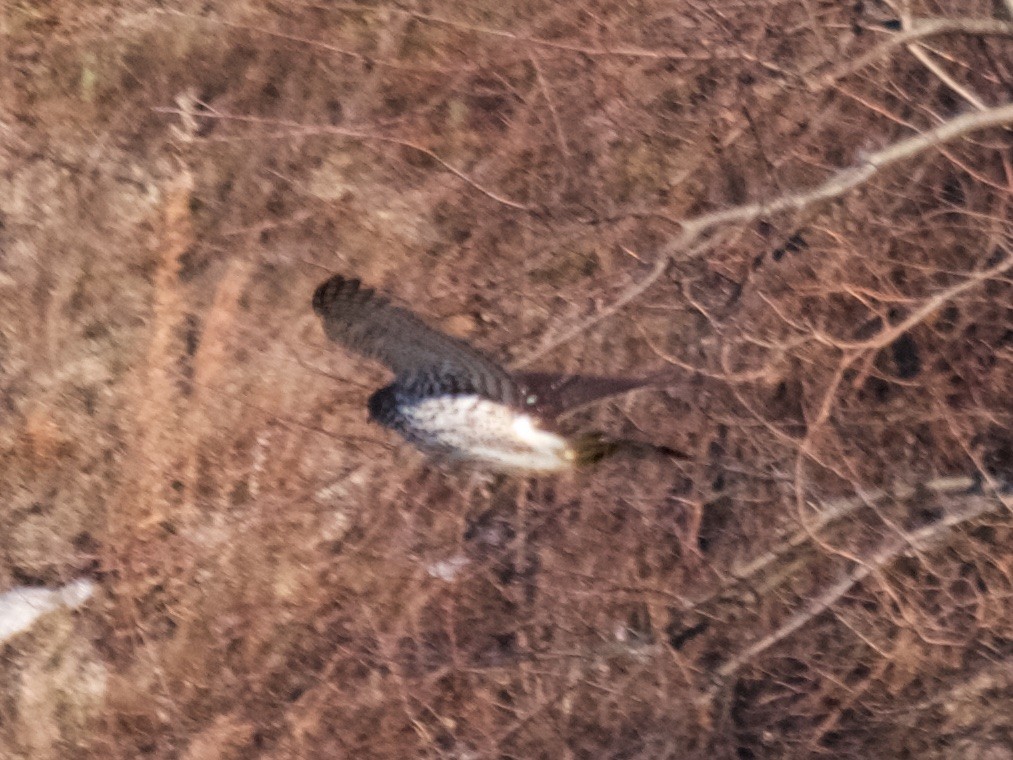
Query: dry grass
{"type": "Point", "coordinates": [829, 574]}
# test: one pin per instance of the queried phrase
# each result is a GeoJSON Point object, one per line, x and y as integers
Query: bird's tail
{"type": "Point", "coordinates": [591, 448]}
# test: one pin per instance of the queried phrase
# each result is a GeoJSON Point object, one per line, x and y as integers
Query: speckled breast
{"type": "Point", "coordinates": [472, 427]}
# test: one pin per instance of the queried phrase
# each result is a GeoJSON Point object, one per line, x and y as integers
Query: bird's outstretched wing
{"type": "Point", "coordinates": [366, 322]}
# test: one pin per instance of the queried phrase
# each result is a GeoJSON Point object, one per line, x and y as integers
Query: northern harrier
{"type": "Point", "coordinates": [450, 399]}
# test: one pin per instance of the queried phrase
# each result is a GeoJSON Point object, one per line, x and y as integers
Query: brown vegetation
{"type": "Point", "coordinates": [804, 206]}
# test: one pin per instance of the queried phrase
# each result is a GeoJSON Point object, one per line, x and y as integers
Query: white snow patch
{"type": "Point", "coordinates": [22, 606]}
{"type": "Point", "coordinates": [448, 569]}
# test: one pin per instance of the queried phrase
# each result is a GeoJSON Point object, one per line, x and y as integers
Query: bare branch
{"type": "Point", "coordinates": [920, 29]}
{"type": "Point", "coordinates": [630, 294]}
{"type": "Point", "coordinates": [919, 52]}
{"type": "Point", "coordinates": [916, 541]}
{"type": "Point", "coordinates": [931, 305]}
{"type": "Point", "coordinates": [832, 511]}
{"type": "Point", "coordinates": [847, 179]}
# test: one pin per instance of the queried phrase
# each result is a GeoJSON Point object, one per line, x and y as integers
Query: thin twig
{"type": "Point", "coordinates": [634, 291]}
{"type": "Point", "coordinates": [619, 51]}
{"type": "Point", "coordinates": [930, 306]}
{"type": "Point", "coordinates": [309, 42]}
{"type": "Point", "coordinates": [916, 541]}
{"type": "Point", "coordinates": [919, 52]}
{"type": "Point", "coordinates": [564, 144]}
{"type": "Point", "coordinates": [833, 511]}
{"type": "Point", "coordinates": [920, 30]}
{"type": "Point", "coordinates": [847, 179]}
{"type": "Point", "coordinates": [296, 128]}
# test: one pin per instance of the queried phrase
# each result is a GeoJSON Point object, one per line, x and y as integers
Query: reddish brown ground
{"type": "Point", "coordinates": [174, 424]}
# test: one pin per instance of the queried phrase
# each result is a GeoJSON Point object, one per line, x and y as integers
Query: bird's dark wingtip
{"type": "Point", "coordinates": [334, 289]}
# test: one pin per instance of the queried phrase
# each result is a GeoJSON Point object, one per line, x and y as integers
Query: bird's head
{"type": "Point", "coordinates": [590, 448]}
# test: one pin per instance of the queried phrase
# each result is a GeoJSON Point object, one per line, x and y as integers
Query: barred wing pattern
{"type": "Point", "coordinates": [367, 323]}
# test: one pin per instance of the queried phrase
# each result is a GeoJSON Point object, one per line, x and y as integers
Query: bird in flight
{"type": "Point", "coordinates": [452, 401]}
